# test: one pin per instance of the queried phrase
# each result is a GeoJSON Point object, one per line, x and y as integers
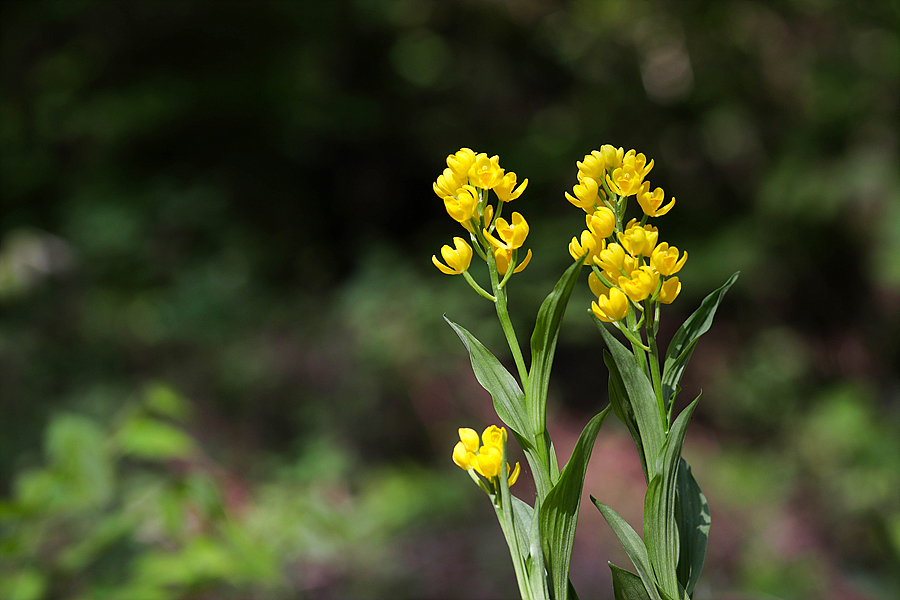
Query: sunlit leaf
{"type": "Point", "coordinates": [559, 513]}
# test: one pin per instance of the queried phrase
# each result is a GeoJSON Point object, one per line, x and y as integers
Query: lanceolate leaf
{"type": "Point", "coordinates": [639, 394]}
{"type": "Point", "coordinates": [559, 512]}
{"type": "Point", "coordinates": [692, 518]}
{"type": "Point", "coordinates": [660, 531]}
{"type": "Point", "coordinates": [543, 343]}
{"type": "Point", "coordinates": [627, 585]}
{"type": "Point", "coordinates": [633, 546]}
{"type": "Point", "coordinates": [509, 401]}
{"type": "Point", "coordinates": [528, 534]}
{"type": "Point", "coordinates": [682, 344]}
{"type": "Point", "coordinates": [621, 405]}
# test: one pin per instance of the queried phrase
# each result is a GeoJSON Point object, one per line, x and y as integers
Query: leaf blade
{"type": "Point", "coordinates": [559, 512]}
{"type": "Point", "coordinates": [509, 400]}
{"type": "Point", "coordinates": [682, 345]}
{"type": "Point", "coordinates": [543, 343]}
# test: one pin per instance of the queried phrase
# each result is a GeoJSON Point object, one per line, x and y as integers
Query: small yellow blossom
{"type": "Point", "coordinates": [651, 203]}
{"type": "Point", "coordinates": [485, 172]}
{"type": "Point", "coordinates": [637, 240]}
{"type": "Point", "coordinates": [513, 234]}
{"type": "Point", "coordinates": [447, 184]}
{"type": "Point", "coordinates": [614, 261]}
{"type": "Point", "coordinates": [638, 162]}
{"type": "Point", "coordinates": [626, 180]}
{"type": "Point", "coordinates": [589, 243]}
{"type": "Point", "coordinates": [504, 257]}
{"type": "Point", "coordinates": [487, 459]}
{"type": "Point", "coordinates": [506, 189]}
{"type": "Point", "coordinates": [641, 284]}
{"type": "Point", "coordinates": [665, 259]}
{"type": "Point", "coordinates": [488, 215]}
{"type": "Point", "coordinates": [612, 306]}
{"type": "Point", "coordinates": [463, 206]}
{"type": "Point", "coordinates": [458, 259]}
{"type": "Point", "coordinates": [601, 223]}
{"type": "Point", "coordinates": [596, 164]}
{"type": "Point", "coordinates": [612, 156]}
{"type": "Point", "coordinates": [592, 166]}
{"type": "Point", "coordinates": [586, 195]}
{"type": "Point", "coordinates": [460, 163]}
{"type": "Point", "coordinates": [598, 288]}
{"type": "Point", "coordinates": [669, 290]}
{"type": "Point", "coordinates": [465, 449]}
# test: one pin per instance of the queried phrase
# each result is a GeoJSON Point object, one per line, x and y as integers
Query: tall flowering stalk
{"type": "Point", "coordinates": [632, 273]}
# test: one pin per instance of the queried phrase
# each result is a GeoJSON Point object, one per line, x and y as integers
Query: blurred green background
{"type": "Point", "coordinates": [223, 367]}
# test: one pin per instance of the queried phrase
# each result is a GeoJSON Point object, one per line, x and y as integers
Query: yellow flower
{"type": "Point", "coordinates": [513, 234]}
{"type": "Point", "coordinates": [458, 259]}
{"type": "Point", "coordinates": [614, 261]}
{"type": "Point", "coordinates": [598, 288]}
{"type": "Point", "coordinates": [494, 437]}
{"type": "Point", "coordinates": [612, 306]}
{"type": "Point", "coordinates": [463, 205]}
{"type": "Point", "coordinates": [504, 189]}
{"type": "Point", "coordinates": [641, 284]}
{"type": "Point", "coordinates": [596, 164]}
{"type": "Point", "coordinates": [602, 222]}
{"type": "Point", "coordinates": [627, 179]}
{"type": "Point", "coordinates": [624, 181]}
{"type": "Point", "coordinates": [638, 162]}
{"type": "Point", "coordinates": [589, 243]}
{"type": "Point", "coordinates": [487, 459]}
{"type": "Point", "coordinates": [504, 257]}
{"type": "Point", "coordinates": [460, 163]}
{"type": "Point", "coordinates": [592, 166]}
{"type": "Point", "coordinates": [485, 172]}
{"type": "Point", "coordinates": [669, 290]}
{"type": "Point", "coordinates": [447, 184]}
{"type": "Point", "coordinates": [665, 259]}
{"type": "Point", "coordinates": [651, 203]}
{"type": "Point", "coordinates": [612, 156]}
{"type": "Point", "coordinates": [465, 449]}
{"type": "Point", "coordinates": [488, 215]}
{"type": "Point", "coordinates": [637, 240]}
{"type": "Point", "coordinates": [586, 195]}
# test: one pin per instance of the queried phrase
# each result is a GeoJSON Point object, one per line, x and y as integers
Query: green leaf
{"type": "Point", "coordinates": [543, 344]}
{"type": "Point", "coordinates": [682, 344]}
{"type": "Point", "coordinates": [634, 547]}
{"type": "Point", "coordinates": [151, 439]}
{"type": "Point", "coordinates": [559, 512]}
{"type": "Point", "coordinates": [627, 585]}
{"type": "Point", "coordinates": [621, 405]}
{"type": "Point", "coordinates": [692, 518]}
{"type": "Point", "coordinates": [660, 531]}
{"type": "Point", "coordinates": [509, 401]}
{"type": "Point", "coordinates": [528, 530]}
{"type": "Point", "coordinates": [638, 400]}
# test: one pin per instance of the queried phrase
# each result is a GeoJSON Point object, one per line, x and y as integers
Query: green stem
{"type": "Point", "coordinates": [655, 378]}
{"type": "Point", "coordinates": [504, 510]}
{"type": "Point", "coordinates": [476, 287]}
{"type": "Point", "coordinates": [505, 322]}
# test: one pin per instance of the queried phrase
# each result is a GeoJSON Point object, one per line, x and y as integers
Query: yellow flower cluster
{"type": "Point", "coordinates": [628, 262]}
{"type": "Point", "coordinates": [485, 459]}
{"type": "Point", "coordinates": [464, 187]}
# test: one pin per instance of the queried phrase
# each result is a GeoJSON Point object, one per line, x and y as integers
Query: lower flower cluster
{"type": "Point", "coordinates": [485, 459]}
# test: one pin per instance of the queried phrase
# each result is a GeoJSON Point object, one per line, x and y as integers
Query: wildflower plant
{"type": "Point", "coordinates": [632, 272]}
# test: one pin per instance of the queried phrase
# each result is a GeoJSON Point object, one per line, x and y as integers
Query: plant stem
{"type": "Point", "coordinates": [505, 322]}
